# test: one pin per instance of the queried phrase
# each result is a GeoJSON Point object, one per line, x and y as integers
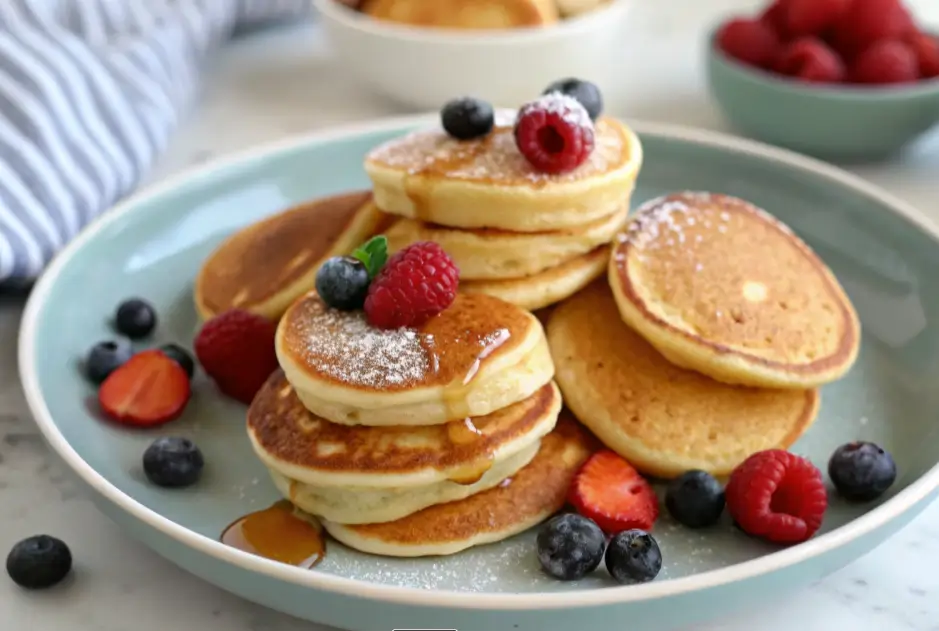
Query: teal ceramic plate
{"type": "Point", "coordinates": [885, 256]}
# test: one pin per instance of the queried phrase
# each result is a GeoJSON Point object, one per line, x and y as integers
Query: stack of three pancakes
{"type": "Point", "coordinates": [530, 238]}
{"type": "Point", "coordinates": [418, 441]}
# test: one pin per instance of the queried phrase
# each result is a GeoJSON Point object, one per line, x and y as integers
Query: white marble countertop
{"type": "Point", "coordinates": [275, 84]}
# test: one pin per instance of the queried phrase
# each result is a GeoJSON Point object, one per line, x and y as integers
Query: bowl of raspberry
{"type": "Point", "coordinates": [841, 80]}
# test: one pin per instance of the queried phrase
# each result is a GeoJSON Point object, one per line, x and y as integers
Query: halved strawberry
{"type": "Point", "coordinates": [608, 490]}
{"type": "Point", "coordinates": [150, 389]}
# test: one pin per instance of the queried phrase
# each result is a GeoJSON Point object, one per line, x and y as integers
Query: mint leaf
{"type": "Point", "coordinates": [373, 254]}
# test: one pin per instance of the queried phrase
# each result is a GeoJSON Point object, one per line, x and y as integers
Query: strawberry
{"type": "Point", "coordinates": [149, 389]}
{"type": "Point", "coordinates": [752, 42]}
{"type": "Point", "coordinates": [236, 349]}
{"type": "Point", "coordinates": [775, 17]}
{"type": "Point", "coordinates": [809, 59]}
{"type": "Point", "coordinates": [884, 63]}
{"type": "Point", "coordinates": [867, 22]}
{"type": "Point", "coordinates": [812, 17]}
{"type": "Point", "coordinates": [926, 48]}
{"type": "Point", "coordinates": [608, 490]}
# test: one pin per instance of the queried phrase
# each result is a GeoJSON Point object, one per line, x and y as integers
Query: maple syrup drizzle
{"type": "Point", "coordinates": [465, 432]}
{"type": "Point", "coordinates": [278, 533]}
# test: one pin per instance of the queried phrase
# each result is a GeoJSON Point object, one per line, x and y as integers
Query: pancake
{"type": "Point", "coordinates": [572, 8]}
{"type": "Point", "coordinates": [526, 499]}
{"type": "Point", "coordinates": [464, 14]}
{"type": "Point", "coordinates": [719, 286]}
{"type": "Point", "coordinates": [488, 183]}
{"type": "Point", "coordinates": [269, 264]}
{"type": "Point", "coordinates": [375, 474]}
{"type": "Point", "coordinates": [490, 253]}
{"type": "Point", "coordinates": [478, 356]}
{"type": "Point", "coordinates": [548, 287]}
{"type": "Point", "coordinates": [662, 418]}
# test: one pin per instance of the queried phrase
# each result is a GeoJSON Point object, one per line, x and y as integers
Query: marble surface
{"type": "Point", "coordinates": [276, 84]}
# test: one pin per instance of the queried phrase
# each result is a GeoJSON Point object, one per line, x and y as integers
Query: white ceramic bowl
{"type": "Point", "coordinates": [426, 67]}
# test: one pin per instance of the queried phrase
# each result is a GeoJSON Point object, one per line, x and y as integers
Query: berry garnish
{"type": "Point", "coordinates": [181, 356]}
{"type": "Point", "coordinates": [173, 462]}
{"type": "Point", "coordinates": [236, 349]}
{"type": "Point", "coordinates": [608, 490]}
{"type": "Point", "coordinates": [584, 92]}
{"type": "Point", "coordinates": [810, 59]}
{"type": "Point", "coordinates": [633, 556]}
{"type": "Point", "coordinates": [812, 17]}
{"type": "Point", "coordinates": [752, 42]}
{"type": "Point", "coordinates": [926, 49]}
{"type": "Point", "coordinates": [135, 318]}
{"type": "Point", "coordinates": [777, 496]}
{"type": "Point", "coordinates": [695, 499]}
{"type": "Point", "coordinates": [775, 17]}
{"type": "Point", "coordinates": [570, 546]}
{"type": "Point", "coordinates": [106, 357]}
{"type": "Point", "coordinates": [150, 389]}
{"type": "Point", "coordinates": [871, 21]}
{"type": "Point", "coordinates": [416, 284]}
{"type": "Point", "coordinates": [554, 133]}
{"type": "Point", "coordinates": [342, 283]}
{"type": "Point", "coordinates": [884, 63]}
{"type": "Point", "coordinates": [38, 562]}
{"type": "Point", "coordinates": [861, 471]}
{"type": "Point", "coordinates": [467, 118]}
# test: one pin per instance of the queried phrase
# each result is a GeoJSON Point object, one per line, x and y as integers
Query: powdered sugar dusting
{"type": "Point", "coordinates": [343, 346]}
{"type": "Point", "coordinates": [568, 108]}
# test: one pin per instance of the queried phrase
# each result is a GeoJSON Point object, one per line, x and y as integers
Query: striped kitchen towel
{"type": "Point", "coordinates": [90, 92]}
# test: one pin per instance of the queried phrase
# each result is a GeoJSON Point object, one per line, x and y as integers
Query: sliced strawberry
{"type": "Point", "coordinates": [608, 490]}
{"type": "Point", "coordinates": [150, 389]}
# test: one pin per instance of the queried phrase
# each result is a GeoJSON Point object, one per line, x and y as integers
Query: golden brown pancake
{"type": "Point", "coordinates": [477, 356]}
{"type": "Point", "coordinates": [267, 265]}
{"type": "Point", "coordinates": [662, 418]}
{"type": "Point", "coordinates": [306, 447]}
{"type": "Point", "coordinates": [720, 286]}
{"type": "Point", "coordinates": [464, 14]}
{"type": "Point", "coordinates": [519, 503]}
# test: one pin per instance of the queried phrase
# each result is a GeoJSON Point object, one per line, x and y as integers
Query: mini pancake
{"type": "Point", "coordinates": [464, 14]}
{"type": "Point", "coordinates": [489, 253]}
{"type": "Point", "coordinates": [521, 502]}
{"type": "Point", "coordinates": [719, 286]}
{"type": "Point", "coordinates": [478, 356]}
{"type": "Point", "coordinates": [488, 183]}
{"type": "Point", "coordinates": [548, 287]}
{"type": "Point", "coordinates": [366, 474]}
{"type": "Point", "coordinates": [662, 418]}
{"type": "Point", "coordinates": [269, 264]}
{"type": "Point", "coordinates": [571, 8]}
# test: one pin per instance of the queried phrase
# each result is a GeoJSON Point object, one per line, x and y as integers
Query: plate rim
{"type": "Point", "coordinates": [893, 508]}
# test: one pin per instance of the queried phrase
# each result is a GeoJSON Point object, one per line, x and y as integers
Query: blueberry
{"type": "Point", "coordinates": [173, 462]}
{"type": "Point", "coordinates": [861, 471]}
{"type": "Point", "coordinates": [570, 546]}
{"type": "Point", "coordinates": [106, 357]}
{"type": "Point", "coordinates": [181, 356]}
{"type": "Point", "coordinates": [135, 318]}
{"type": "Point", "coordinates": [38, 562]}
{"type": "Point", "coordinates": [695, 499]}
{"type": "Point", "coordinates": [342, 283]}
{"type": "Point", "coordinates": [586, 93]}
{"type": "Point", "coordinates": [633, 556]}
{"type": "Point", "coordinates": [467, 118]}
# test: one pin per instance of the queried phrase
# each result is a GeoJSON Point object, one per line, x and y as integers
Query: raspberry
{"type": "Point", "coordinates": [554, 133]}
{"type": "Point", "coordinates": [236, 349]}
{"type": "Point", "coordinates": [415, 284]}
{"type": "Point", "coordinates": [775, 17]}
{"type": "Point", "coordinates": [777, 496]}
{"type": "Point", "coordinates": [885, 62]}
{"type": "Point", "coordinates": [752, 42]}
{"type": "Point", "coordinates": [867, 22]}
{"type": "Point", "coordinates": [810, 59]}
{"type": "Point", "coordinates": [812, 17]}
{"type": "Point", "coordinates": [926, 49]}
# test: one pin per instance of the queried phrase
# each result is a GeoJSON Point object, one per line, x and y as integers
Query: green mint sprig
{"type": "Point", "coordinates": [373, 254]}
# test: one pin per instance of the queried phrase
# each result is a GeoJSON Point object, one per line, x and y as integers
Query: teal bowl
{"type": "Point", "coordinates": [835, 123]}
{"type": "Point", "coordinates": [153, 245]}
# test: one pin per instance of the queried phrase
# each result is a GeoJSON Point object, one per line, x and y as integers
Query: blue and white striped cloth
{"type": "Point", "coordinates": [90, 92]}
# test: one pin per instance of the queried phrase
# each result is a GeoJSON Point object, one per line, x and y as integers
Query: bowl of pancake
{"type": "Point", "coordinates": [422, 52]}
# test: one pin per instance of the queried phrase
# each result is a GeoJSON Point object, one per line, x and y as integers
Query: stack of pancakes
{"type": "Point", "coordinates": [476, 14]}
{"type": "Point", "coordinates": [708, 340]}
{"type": "Point", "coordinates": [527, 237]}
{"type": "Point", "coordinates": [417, 441]}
